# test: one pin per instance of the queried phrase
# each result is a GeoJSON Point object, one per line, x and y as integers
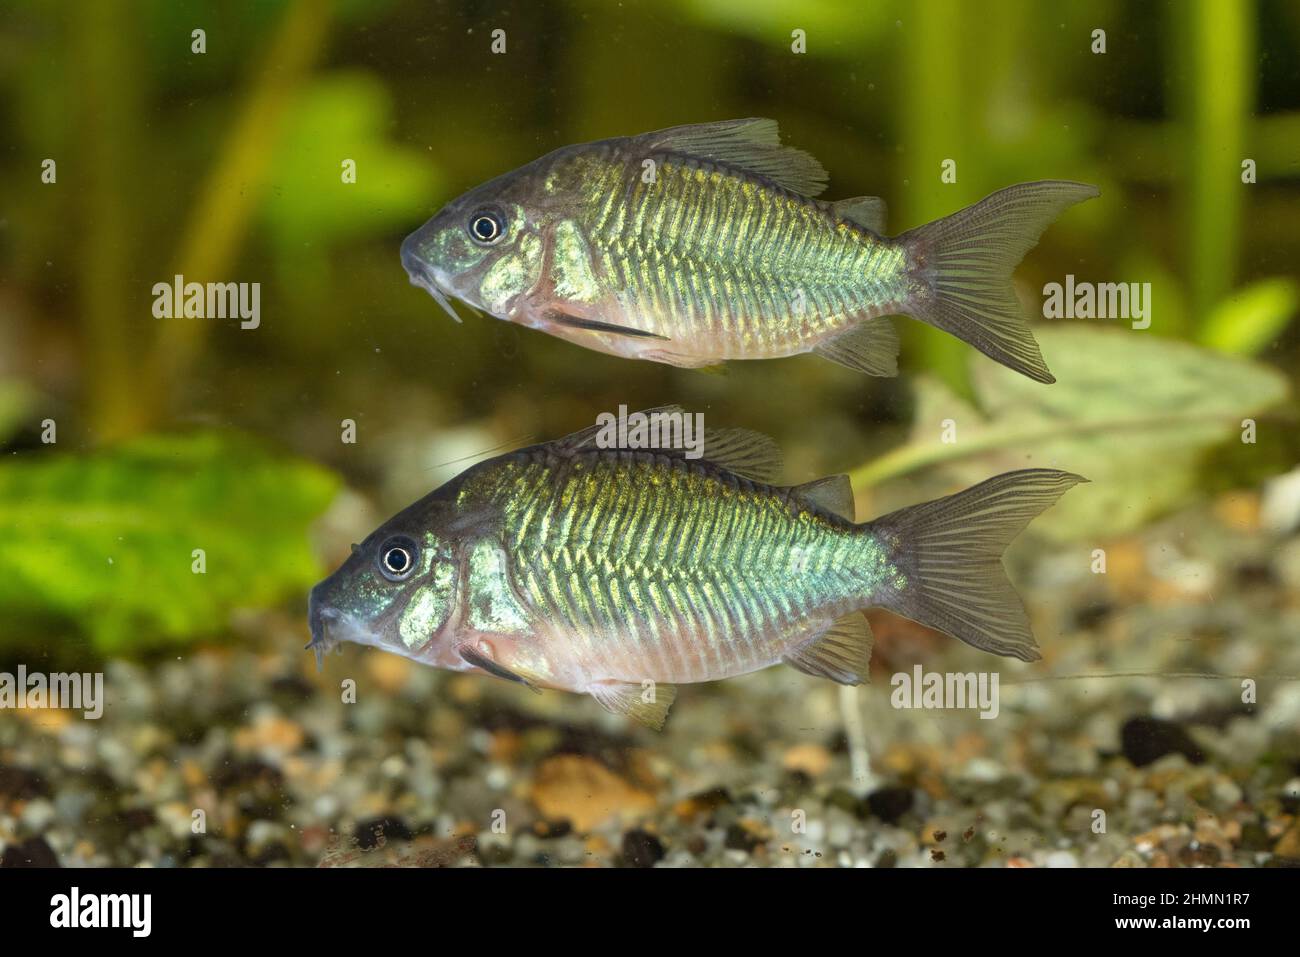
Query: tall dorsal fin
{"type": "Point", "coordinates": [867, 211]}
{"type": "Point", "coordinates": [752, 144]}
{"type": "Point", "coordinates": [749, 454]}
{"type": "Point", "coordinates": [833, 494]}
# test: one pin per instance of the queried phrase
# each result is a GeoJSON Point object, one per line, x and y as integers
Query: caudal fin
{"type": "Point", "coordinates": [949, 552]}
{"type": "Point", "coordinates": [964, 263]}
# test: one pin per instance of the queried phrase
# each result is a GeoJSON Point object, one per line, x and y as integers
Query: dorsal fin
{"type": "Point", "coordinates": [833, 494]}
{"type": "Point", "coordinates": [871, 346]}
{"type": "Point", "coordinates": [751, 144]}
{"type": "Point", "coordinates": [867, 211]}
{"type": "Point", "coordinates": [841, 652]}
{"type": "Point", "coordinates": [749, 454]}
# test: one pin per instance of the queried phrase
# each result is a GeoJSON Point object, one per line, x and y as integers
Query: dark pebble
{"type": "Point", "coordinates": [712, 799]}
{"type": "Point", "coordinates": [1254, 837]}
{"type": "Point", "coordinates": [258, 788]}
{"type": "Point", "coordinates": [293, 688]}
{"type": "Point", "coordinates": [1092, 615]}
{"type": "Point", "coordinates": [845, 800]}
{"type": "Point", "coordinates": [33, 852]}
{"type": "Point", "coordinates": [550, 829]}
{"type": "Point", "coordinates": [1256, 573]}
{"type": "Point", "coordinates": [890, 803]}
{"type": "Point", "coordinates": [237, 774]}
{"type": "Point", "coordinates": [22, 784]}
{"type": "Point", "coordinates": [138, 817]}
{"type": "Point", "coordinates": [370, 833]}
{"type": "Point", "coordinates": [796, 783]}
{"type": "Point", "coordinates": [740, 839]}
{"type": "Point", "coordinates": [641, 849]}
{"type": "Point", "coordinates": [270, 854]}
{"type": "Point", "coordinates": [1146, 739]}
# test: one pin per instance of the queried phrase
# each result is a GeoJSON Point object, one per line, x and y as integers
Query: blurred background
{"type": "Point", "coordinates": [1167, 697]}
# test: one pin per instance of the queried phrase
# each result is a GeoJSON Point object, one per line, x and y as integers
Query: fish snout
{"type": "Point", "coordinates": [319, 618]}
{"type": "Point", "coordinates": [417, 268]}
{"type": "Point", "coordinates": [421, 272]}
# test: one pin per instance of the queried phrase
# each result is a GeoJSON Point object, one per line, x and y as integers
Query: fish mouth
{"type": "Point", "coordinates": [422, 274]}
{"type": "Point", "coordinates": [330, 627]}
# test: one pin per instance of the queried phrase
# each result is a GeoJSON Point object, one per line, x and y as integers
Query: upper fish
{"type": "Point", "coordinates": [699, 244]}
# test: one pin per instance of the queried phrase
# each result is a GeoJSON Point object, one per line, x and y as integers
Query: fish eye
{"type": "Point", "coordinates": [398, 557]}
{"type": "Point", "coordinates": [486, 226]}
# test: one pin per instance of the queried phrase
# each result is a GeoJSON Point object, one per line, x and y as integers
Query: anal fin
{"type": "Point", "coordinates": [647, 703]}
{"type": "Point", "coordinates": [841, 652]}
{"type": "Point", "coordinates": [870, 346]}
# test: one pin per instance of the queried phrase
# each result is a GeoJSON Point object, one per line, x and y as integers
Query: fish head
{"type": "Point", "coordinates": [484, 248]}
{"type": "Point", "coordinates": [397, 591]}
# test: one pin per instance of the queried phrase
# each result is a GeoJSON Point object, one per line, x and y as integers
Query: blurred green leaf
{"type": "Point", "coordinates": [832, 27]}
{"type": "Point", "coordinates": [107, 538]}
{"type": "Point", "coordinates": [343, 117]}
{"type": "Point", "coordinates": [15, 402]}
{"type": "Point", "coordinates": [1130, 411]}
{"type": "Point", "coordinates": [1246, 322]}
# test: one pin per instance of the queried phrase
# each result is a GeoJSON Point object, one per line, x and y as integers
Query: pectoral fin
{"type": "Point", "coordinates": [479, 659]}
{"type": "Point", "coordinates": [648, 702]}
{"type": "Point", "coordinates": [595, 325]}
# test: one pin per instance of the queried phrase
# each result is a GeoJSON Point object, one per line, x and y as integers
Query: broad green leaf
{"type": "Point", "coordinates": [1131, 411]}
{"type": "Point", "coordinates": [1246, 322]}
{"type": "Point", "coordinates": [106, 539]}
{"type": "Point", "coordinates": [344, 117]}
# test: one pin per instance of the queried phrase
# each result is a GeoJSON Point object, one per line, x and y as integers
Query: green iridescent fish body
{"type": "Point", "coordinates": [634, 566]}
{"type": "Point", "coordinates": [700, 244]}
{"type": "Point", "coordinates": [622, 572]}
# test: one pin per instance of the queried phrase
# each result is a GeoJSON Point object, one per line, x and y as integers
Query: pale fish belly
{"type": "Point", "coordinates": [701, 641]}
{"type": "Point", "coordinates": [725, 267]}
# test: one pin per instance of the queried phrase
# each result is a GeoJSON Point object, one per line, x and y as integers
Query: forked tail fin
{"type": "Point", "coordinates": [949, 553]}
{"type": "Point", "coordinates": [964, 263]}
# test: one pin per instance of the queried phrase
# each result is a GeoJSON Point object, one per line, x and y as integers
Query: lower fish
{"type": "Point", "coordinates": [700, 244]}
{"type": "Point", "coordinates": [622, 573]}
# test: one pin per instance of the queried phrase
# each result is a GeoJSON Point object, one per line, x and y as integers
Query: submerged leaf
{"type": "Point", "coordinates": [344, 117]}
{"type": "Point", "coordinates": [15, 402]}
{"type": "Point", "coordinates": [107, 538]}
{"type": "Point", "coordinates": [1130, 411]}
{"type": "Point", "coordinates": [1249, 320]}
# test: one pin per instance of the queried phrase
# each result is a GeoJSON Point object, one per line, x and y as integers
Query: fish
{"type": "Point", "coordinates": [696, 245]}
{"type": "Point", "coordinates": [622, 573]}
